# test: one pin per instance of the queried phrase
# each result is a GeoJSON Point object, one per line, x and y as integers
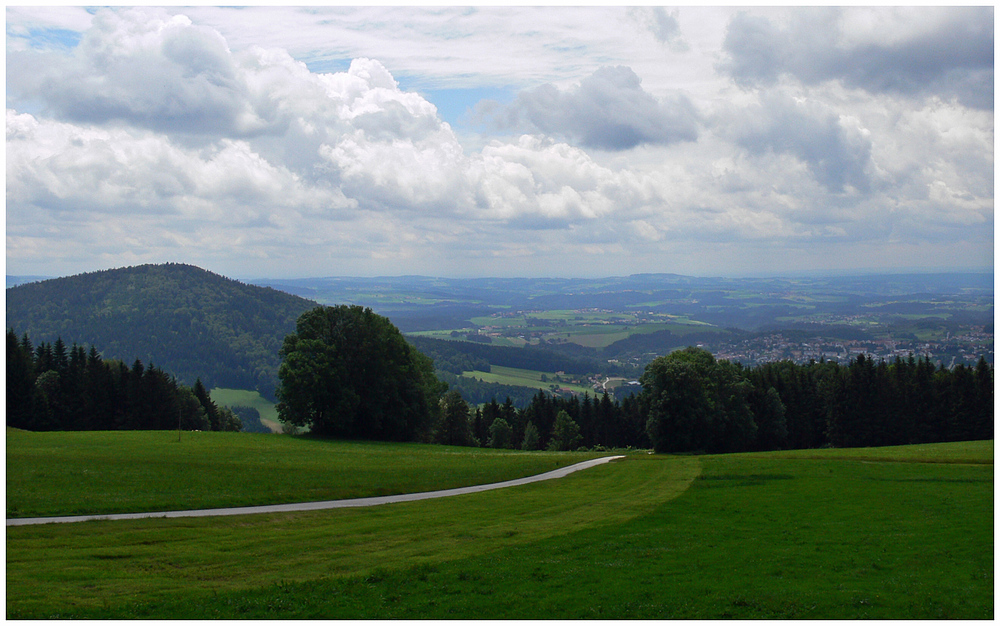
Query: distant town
{"type": "Point", "coordinates": [964, 347]}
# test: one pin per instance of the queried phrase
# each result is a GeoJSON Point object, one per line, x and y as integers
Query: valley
{"type": "Point", "coordinates": [892, 531]}
{"type": "Point", "coordinates": [948, 317]}
{"type": "Point", "coordinates": [196, 324]}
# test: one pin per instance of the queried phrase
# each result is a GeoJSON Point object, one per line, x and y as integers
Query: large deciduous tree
{"type": "Point", "coordinates": [697, 403]}
{"type": "Point", "coordinates": [347, 372]}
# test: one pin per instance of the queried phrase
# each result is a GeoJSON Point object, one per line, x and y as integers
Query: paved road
{"type": "Point", "coordinates": [316, 506]}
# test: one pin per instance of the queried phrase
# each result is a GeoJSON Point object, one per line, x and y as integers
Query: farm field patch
{"type": "Point", "coordinates": [530, 378]}
{"type": "Point", "coordinates": [243, 397]}
{"type": "Point", "coordinates": [591, 329]}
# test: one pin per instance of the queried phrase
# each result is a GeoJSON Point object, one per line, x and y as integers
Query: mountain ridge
{"type": "Point", "coordinates": [186, 320]}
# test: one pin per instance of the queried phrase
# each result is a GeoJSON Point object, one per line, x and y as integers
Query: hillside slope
{"type": "Point", "coordinates": [185, 320]}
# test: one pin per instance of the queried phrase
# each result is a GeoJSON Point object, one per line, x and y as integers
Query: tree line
{"type": "Point", "coordinates": [692, 402]}
{"type": "Point", "coordinates": [347, 372]}
{"type": "Point", "coordinates": [54, 387]}
{"type": "Point", "coordinates": [477, 392]}
{"type": "Point", "coordinates": [546, 423]}
{"type": "Point", "coordinates": [461, 356]}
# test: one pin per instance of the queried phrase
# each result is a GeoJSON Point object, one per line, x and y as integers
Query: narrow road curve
{"type": "Point", "coordinates": [317, 506]}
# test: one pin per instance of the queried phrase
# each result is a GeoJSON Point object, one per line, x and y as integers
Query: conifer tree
{"type": "Point", "coordinates": [984, 408]}
{"type": "Point", "coordinates": [531, 440]}
{"type": "Point", "coordinates": [20, 381]}
{"type": "Point", "coordinates": [456, 429]}
{"type": "Point", "coordinates": [210, 408]}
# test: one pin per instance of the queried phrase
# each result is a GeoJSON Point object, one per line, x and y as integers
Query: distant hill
{"type": "Point", "coordinates": [185, 320]}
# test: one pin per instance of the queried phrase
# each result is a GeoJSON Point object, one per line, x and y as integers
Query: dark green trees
{"type": "Point", "coordinates": [565, 433]}
{"type": "Point", "coordinates": [908, 401]}
{"type": "Point", "coordinates": [769, 415]}
{"type": "Point", "coordinates": [50, 387]}
{"type": "Point", "coordinates": [20, 381]}
{"type": "Point", "coordinates": [500, 434]}
{"type": "Point", "coordinates": [697, 403]}
{"type": "Point", "coordinates": [694, 403]}
{"type": "Point", "coordinates": [530, 441]}
{"type": "Point", "coordinates": [455, 429]}
{"type": "Point", "coordinates": [347, 372]}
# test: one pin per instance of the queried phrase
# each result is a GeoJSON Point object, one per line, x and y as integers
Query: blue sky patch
{"type": "Point", "coordinates": [49, 38]}
{"type": "Point", "coordinates": [455, 105]}
{"type": "Point", "coordinates": [328, 66]}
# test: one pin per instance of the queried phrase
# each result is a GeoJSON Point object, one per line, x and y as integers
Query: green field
{"type": "Point", "coordinates": [76, 473]}
{"type": "Point", "coordinates": [527, 378]}
{"type": "Point", "coordinates": [242, 397]}
{"type": "Point", "coordinates": [591, 329]}
{"type": "Point", "coordinates": [893, 533]}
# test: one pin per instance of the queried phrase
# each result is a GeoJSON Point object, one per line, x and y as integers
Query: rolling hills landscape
{"type": "Point", "coordinates": [500, 312]}
{"type": "Point", "coordinates": [848, 532]}
{"type": "Point", "coordinates": [193, 323]}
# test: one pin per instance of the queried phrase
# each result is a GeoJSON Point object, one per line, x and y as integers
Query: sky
{"type": "Point", "coordinates": [277, 142]}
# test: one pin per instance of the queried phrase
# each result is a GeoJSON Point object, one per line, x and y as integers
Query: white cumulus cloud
{"type": "Point", "coordinates": [271, 141]}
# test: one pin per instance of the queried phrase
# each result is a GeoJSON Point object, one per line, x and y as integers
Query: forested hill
{"type": "Point", "coordinates": [185, 320]}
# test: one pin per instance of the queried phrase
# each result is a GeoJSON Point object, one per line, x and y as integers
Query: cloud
{"type": "Point", "coordinates": [157, 138]}
{"type": "Point", "coordinates": [147, 69]}
{"type": "Point", "coordinates": [607, 110]}
{"type": "Point", "coordinates": [35, 26]}
{"type": "Point", "coordinates": [399, 174]}
{"type": "Point", "coordinates": [86, 194]}
{"type": "Point", "coordinates": [666, 27]}
{"type": "Point", "coordinates": [269, 134]}
{"type": "Point", "coordinates": [915, 52]}
{"type": "Point", "coordinates": [663, 25]}
{"type": "Point", "coordinates": [304, 150]}
{"type": "Point", "coordinates": [538, 183]}
{"type": "Point", "coordinates": [836, 148]}
{"type": "Point", "coordinates": [66, 169]}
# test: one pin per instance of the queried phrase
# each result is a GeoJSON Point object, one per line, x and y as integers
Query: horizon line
{"type": "Point", "coordinates": [813, 273]}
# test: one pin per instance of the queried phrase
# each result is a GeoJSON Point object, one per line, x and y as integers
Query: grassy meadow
{"type": "Point", "coordinates": [591, 329]}
{"type": "Point", "coordinates": [891, 533]}
{"type": "Point", "coordinates": [527, 378]}
{"type": "Point", "coordinates": [79, 473]}
{"type": "Point", "coordinates": [244, 397]}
